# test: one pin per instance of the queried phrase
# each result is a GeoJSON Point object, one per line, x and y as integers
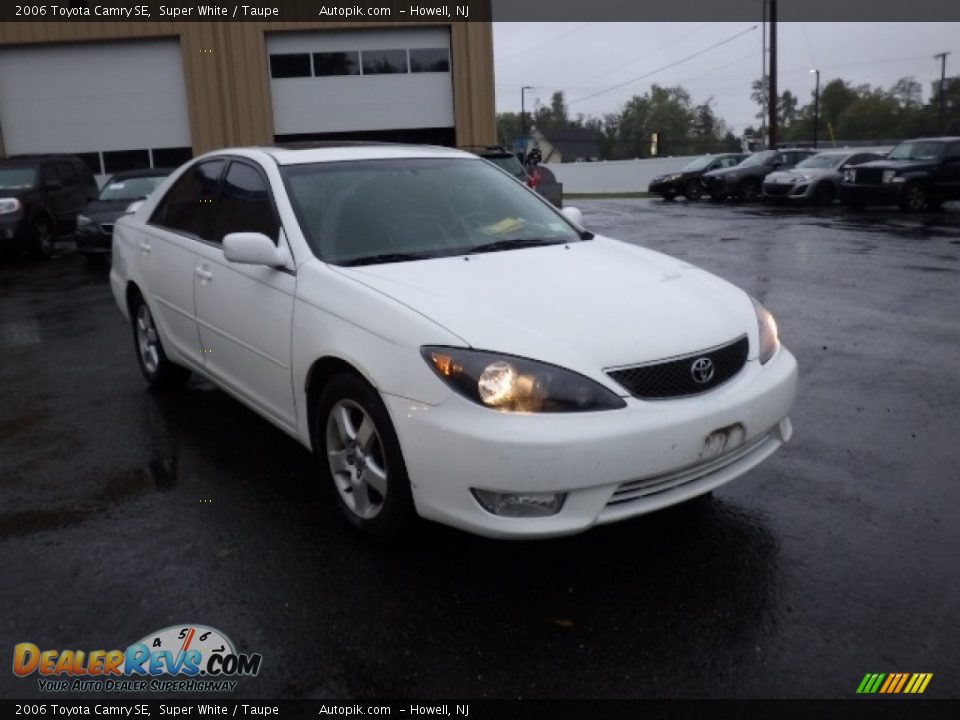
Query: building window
{"type": "Point", "coordinates": [171, 157]}
{"type": "Point", "coordinates": [336, 63]}
{"type": "Point", "coordinates": [429, 60]}
{"type": "Point", "coordinates": [384, 62]}
{"type": "Point", "coordinates": [290, 66]}
{"type": "Point", "coordinates": [92, 161]}
{"type": "Point", "coordinates": [115, 161]}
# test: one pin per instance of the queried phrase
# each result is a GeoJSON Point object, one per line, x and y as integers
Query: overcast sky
{"type": "Point", "coordinates": [585, 58]}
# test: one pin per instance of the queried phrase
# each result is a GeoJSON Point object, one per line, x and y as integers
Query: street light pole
{"type": "Point", "coordinates": [523, 116]}
{"type": "Point", "coordinates": [816, 110]}
{"type": "Point", "coordinates": [943, 79]}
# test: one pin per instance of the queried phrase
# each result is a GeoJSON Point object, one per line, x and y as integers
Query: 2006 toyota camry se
{"type": "Point", "coordinates": [446, 342]}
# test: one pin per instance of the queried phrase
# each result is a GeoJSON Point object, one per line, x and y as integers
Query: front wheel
{"type": "Point", "coordinates": [914, 198]}
{"type": "Point", "coordinates": [156, 368]}
{"type": "Point", "coordinates": [41, 233]}
{"type": "Point", "coordinates": [748, 190]}
{"type": "Point", "coordinates": [360, 458]}
{"type": "Point", "coordinates": [693, 190]}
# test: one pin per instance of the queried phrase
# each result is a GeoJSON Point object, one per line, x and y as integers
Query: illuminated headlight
{"type": "Point", "coordinates": [767, 327]}
{"type": "Point", "coordinates": [520, 504]}
{"type": "Point", "coordinates": [889, 176]}
{"type": "Point", "coordinates": [515, 384]}
{"type": "Point", "coordinates": [9, 205]}
{"type": "Point", "coordinates": [83, 220]}
{"type": "Point", "coordinates": [850, 176]}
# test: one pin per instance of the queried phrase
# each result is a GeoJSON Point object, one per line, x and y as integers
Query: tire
{"type": "Point", "coordinates": [667, 197]}
{"type": "Point", "coordinates": [824, 194]}
{"type": "Point", "coordinates": [913, 198]}
{"type": "Point", "coordinates": [748, 190]}
{"type": "Point", "coordinates": [41, 237]}
{"type": "Point", "coordinates": [693, 190]}
{"type": "Point", "coordinates": [158, 371]}
{"type": "Point", "coordinates": [716, 198]}
{"type": "Point", "coordinates": [360, 460]}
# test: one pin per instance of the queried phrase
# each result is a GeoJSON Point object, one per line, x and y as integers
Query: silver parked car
{"type": "Point", "coordinates": [817, 179]}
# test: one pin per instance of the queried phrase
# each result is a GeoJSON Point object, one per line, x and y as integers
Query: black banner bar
{"type": "Point", "coordinates": [534, 11]}
{"type": "Point", "coordinates": [899, 707]}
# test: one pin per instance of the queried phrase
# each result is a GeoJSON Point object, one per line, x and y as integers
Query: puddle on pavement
{"type": "Point", "coordinates": [157, 475]}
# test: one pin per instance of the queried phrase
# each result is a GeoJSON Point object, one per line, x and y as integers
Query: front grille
{"type": "Point", "coordinates": [675, 377]}
{"type": "Point", "coordinates": [636, 489]}
{"type": "Point", "coordinates": [778, 190]}
{"type": "Point", "coordinates": [107, 228]}
{"type": "Point", "coordinates": [869, 176]}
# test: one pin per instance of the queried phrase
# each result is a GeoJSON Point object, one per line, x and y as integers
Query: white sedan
{"type": "Point", "coordinates": [446, 342]}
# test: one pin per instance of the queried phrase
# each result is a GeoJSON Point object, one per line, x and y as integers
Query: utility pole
{"type": "Point", "coordinates": [772, 102]}
{"type": "Point", "coordinates": [943, 79]}
{"type": "Point", "coordinates": [816, 111]}
{"type": "Point", "coordinates": [523, 117]}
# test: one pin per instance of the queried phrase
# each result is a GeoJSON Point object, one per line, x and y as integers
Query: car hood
{"type": "Point", "coordinates": [897, 164]}
{"type": "Point", "coordinates": [736, 170]}
{"type": "Point", "coordinates": [106, 210]}
{"type": "Point", "coordinates": [789, 175]}
{"type": "Point", "coordinates": [590, 305]}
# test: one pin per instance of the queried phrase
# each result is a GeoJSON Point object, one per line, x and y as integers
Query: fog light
{"type": "Point", "coordinates": [520, 504]}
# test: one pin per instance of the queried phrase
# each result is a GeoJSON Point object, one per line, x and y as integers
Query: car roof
{"type": "Point", "coordinates": [144, 172]}
{"type": "Point", "coordinates": [318, 152]}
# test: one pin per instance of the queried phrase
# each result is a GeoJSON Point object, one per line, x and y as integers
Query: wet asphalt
{"type": "Point", "coordinates": [124, 511]}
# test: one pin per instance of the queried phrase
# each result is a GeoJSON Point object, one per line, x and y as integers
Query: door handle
{"type": "Point", "coordinates": [144, 247]}
{"type": "Point", "coordinates": [204, 274]}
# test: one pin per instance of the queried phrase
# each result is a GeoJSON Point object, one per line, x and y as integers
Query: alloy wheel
{"type": "Point", "coordinates": [148, 344]}
{"type": "Point", "coordinates": [356, 458]}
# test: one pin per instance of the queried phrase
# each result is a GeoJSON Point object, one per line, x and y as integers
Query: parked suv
{"type": "Point", "coordinates": [40, 198]}
{"type": "Point", "coordinates": [917, 174]}
{"type": "Point", "coordinates": [743, 181]}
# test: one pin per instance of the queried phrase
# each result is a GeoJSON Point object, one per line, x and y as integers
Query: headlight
{"type": "Point", "coordinates": [510, 383]}
{"type": "Point", "coordinates": [672, 178]}
{"type": "Point", "coordinates": [889, 176]}
{"type": "Point", "coordinates": [850, 176]}
{"type": "Point", "coordinates": [767, 326]}
{"type": "Point", "coordinates": [9, 205]}
{"type": "Point", "coordinates": [83, 220]}
{"type": "Point", "coordinates": [807, 177]}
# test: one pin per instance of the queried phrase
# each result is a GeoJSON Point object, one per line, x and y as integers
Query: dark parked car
{"type": "Point", "coordinates": [538, 178]}
{"type": "Point", "coordinates": [744, 181]}
{"type": "Point", "coordinates": [686, 180]}
{"type": "Point", "coordinates": [40, 198]}
{"type": "Point", "coordinates": [95, 224]}
{"type": "Point", "coordinates": [817, 179]}
{"type": "Point", "coordinates": [917, 174]}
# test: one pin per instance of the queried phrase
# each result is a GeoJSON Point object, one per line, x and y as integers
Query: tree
{"type": "Point", "coordinates": [509, 126]}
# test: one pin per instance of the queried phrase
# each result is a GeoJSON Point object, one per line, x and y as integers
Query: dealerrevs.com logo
{"type": "Point", "coordinates": [180, 658]}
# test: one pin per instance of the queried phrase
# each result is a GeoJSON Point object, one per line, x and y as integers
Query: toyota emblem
{"type": "Point", "coordinates": [702, 370]}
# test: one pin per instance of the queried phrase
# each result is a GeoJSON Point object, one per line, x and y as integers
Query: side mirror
{"type": "Point", "coordinates": [573, 215]}
{"type": "Point", "coordinates": [133, 207]}
{"type": "Point", "coordinates": [253, 248]}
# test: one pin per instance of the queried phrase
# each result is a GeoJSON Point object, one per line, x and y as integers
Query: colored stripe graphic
{"type": "Point", "coordinates": [894, 683]}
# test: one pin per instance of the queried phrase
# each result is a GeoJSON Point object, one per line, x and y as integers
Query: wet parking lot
{"type": "Point", "coordinates": [124, 511]}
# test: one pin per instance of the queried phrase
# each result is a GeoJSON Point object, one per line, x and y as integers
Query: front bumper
{"type": "Point", "coordinates": [12, 228]}
{"type": "Point", "coordinates": [613, 464]}
{"type": "Point", "coordinates": [854, 194]}
{"type": "Point", "coordinates": [93, 239]}
{"type": "Point", "coordinates": [788, 191]}
{"type": "Point", "coordinates": [662, 187]}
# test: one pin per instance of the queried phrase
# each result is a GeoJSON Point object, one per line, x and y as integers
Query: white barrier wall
{"type": "Point", "coordinates": [614, 176]}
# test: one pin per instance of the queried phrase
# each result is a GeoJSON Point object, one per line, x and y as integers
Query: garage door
{"type": "Point", "coordinates": [119, 105]}
{"type": "Point", "coordinates": [391, 84]}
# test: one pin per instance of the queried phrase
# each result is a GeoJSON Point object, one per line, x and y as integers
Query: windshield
{"type": "Point", "coordinates": [821, 161]}
{"type": "Point", "coordinates": [394, 210]}
{"type": "Point", "coordinates": [698, 164]}
{"type": "Point", "coordinates": [135, 188]}
{"type": "Point", "coordinates": [917, 151]}
{"type": "Point", "coordinates": [21, 178]}
{"type": "Point", "coordinates": [510, 164]}
{"type": "Point", "coordinates": [760, 158]}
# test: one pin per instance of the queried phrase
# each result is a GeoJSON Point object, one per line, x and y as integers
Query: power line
{"type": "Point", "coordinates": [665, 67]}
{"type": "Point", "coordinates": [546, 42]}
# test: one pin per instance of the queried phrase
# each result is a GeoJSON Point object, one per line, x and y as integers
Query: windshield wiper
{"type": "Point", "coordinates": [511, 244]}
{"type": "Point", "coordinates": [386, 258]}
